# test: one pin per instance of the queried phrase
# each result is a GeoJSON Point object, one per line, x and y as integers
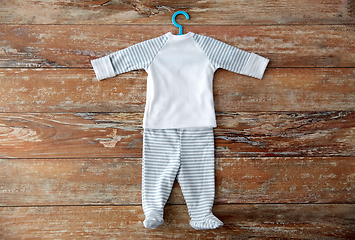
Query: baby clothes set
{"type": "Point", "coordinates": [179, 116]}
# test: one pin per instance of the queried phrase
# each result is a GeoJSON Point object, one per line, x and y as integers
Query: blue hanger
{"type": "Point", "coordinates": [178, 25]}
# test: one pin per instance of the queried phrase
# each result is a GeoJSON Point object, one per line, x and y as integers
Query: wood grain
{"type": "Point", "coordinates": [70, 147]}
{"type": "Point", "coordinates": [77, 90]}
{"type": "Point", "coordinates": [26, 182]}
{"type": "Point", "coordinates": [156, 12]}
{"type": "Point", "coordinates": [75, 45]}
{"type": "Point", "coordinates": [257, 221]}
{"type": "Point", "coordinates": [96, 135]}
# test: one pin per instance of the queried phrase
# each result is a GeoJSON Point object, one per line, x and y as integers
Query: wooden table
{"type": "Point", "coordinates": [70, 147]}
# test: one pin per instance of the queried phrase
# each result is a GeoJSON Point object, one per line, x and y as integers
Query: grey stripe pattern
{"type": "Point", "coordinates": [185, 155]}
{"type": "Point", "coordinates": [138, 56]}
{"type": "Point", "coordinates": [223, 55]}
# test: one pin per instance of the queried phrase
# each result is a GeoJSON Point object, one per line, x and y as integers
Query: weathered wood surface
{"type": "Point", "coordinates": [96, 135]}
{"type": "Point", "coordinates": [256, 221]}
{"type": "Point", "coordinates": [75, 45]}
{"type": "Point", "coordinates": [157, 12]}
{"type": "Point", "coordinates": [70, 147]}
{"type": "Point", "coordinates": [26, 182]}
{"type": "Point", "coordinates": [77, 90]}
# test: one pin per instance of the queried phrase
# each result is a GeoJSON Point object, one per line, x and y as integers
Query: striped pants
{"type": "Point", "coordinates": [185, 155]}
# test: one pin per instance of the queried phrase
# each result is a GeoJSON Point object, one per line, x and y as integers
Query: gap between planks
{"type": "Point", "coordinates": [172, 204]}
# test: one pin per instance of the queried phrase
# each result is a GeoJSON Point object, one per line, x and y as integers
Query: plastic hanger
{"type": "Point", "coordinates": [178, 25]}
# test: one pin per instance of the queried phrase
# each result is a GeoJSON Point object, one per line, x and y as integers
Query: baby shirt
{"type": "Point", "coordinates": [180, 76]}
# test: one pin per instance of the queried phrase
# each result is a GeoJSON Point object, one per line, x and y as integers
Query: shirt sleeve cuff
{"type": "Point", "coordinates": [256, 66]}
{"type": "Point", "coordinates": [103, 68]}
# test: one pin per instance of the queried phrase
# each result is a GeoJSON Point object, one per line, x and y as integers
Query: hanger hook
{"type": "Point", "coordinates": [178, 25]}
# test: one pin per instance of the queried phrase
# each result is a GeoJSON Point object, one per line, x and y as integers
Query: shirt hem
{"type": "Point", "coordinates": [179, 126]}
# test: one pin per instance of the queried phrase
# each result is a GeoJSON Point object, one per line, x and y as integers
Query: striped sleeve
{"type": "Point", "coordinates": [223, 55]}
{"type": "Point", "coordinates": [138, 56]}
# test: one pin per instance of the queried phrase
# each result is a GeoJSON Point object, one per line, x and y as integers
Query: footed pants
{"type": "Point", "coordinates": [188, 156]}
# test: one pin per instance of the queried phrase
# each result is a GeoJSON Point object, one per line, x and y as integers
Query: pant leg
{"type": "Point", "coordinates": [197, 177]}
{"type": "Point", "coordinates": [161, 161]}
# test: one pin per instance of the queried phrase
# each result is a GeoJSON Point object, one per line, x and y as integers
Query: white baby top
{"type": "Point", "coordinates": [180, 73]}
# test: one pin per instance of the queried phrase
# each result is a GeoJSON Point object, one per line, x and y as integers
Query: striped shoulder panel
{"type": "Point", "coordinates": [222, 55]}
{"type": "Point", "coordinates": [138, 56]}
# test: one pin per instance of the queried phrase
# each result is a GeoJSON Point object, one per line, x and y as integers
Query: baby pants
{"type": "Point", "coordinates": [185, 155]}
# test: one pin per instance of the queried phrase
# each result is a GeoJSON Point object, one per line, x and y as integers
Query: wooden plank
{"type": "Point", "coordinates": [209, 12]}
{"type": "Point", "coordinates": [26, 182]}
{"type": "Point", "coordinates": [97, 135]}
{"type": "Point", "coordinates": [285, 134]}
{"type": "Point", "coordinates": [75, 45]}
{"type": "Point", "coordinates": [261, 221]}
{"type": "Point", "coordinates": [77, 90]}
{"type": "Point", "coordinates": [70, 90]}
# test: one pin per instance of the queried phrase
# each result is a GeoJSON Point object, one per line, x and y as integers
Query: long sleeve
{"type": "Point", "coordinates": [222, 55]}
{"type": "Point", "coordinates": [138, 56]}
